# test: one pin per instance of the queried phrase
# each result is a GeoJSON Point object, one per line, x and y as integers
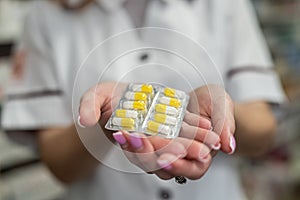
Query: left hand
{"type": "Point", "coordinates": [213, 103]}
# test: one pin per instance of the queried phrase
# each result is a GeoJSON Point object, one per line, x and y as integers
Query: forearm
{"type": "Point", "coordinates": [255, 128]}
{"type": "Point", "coordinates": [64, 153]}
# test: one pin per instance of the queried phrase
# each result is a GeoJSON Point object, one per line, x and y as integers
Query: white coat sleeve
{"type": "Point", "coordinates": [37, 100]}
{"type": "Point", "coordinates": [250, 75]}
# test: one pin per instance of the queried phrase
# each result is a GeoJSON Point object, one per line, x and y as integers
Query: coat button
{"type": "Point", "coordinates": [165, 194]}
{"type": "Point", "coordinates": [144, 57]}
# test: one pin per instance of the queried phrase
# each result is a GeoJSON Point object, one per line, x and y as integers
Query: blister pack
{"type": "Point", "coordinates": [151, 109]}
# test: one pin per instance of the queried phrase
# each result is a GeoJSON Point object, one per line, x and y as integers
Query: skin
{"type": "Point", "coordinates": [18, 64]}
{"type": "Point", "coordinates": [253, 136]}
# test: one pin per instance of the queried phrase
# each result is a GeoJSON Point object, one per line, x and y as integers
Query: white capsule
{"type": "Point", "coordinates": [170, 92]}
{"type": "Point", "coordinates": [136, 105]}
{"type": "Point", "coordinates": [123, 122]}
{"type": "Point", "coordinates": [137, 96]}
{"type": "Point", "coordinates": [170, 101]}
{"type": "Point", "coordinates": [169, 110]}
{"type": "Point", "coordinates": [165, 119]}
{"type": "Point", "coordinates": [159, 128]}
{"type": "Point", "coordinates": [126, 113]}
{"type": "Point", "coordinates": [142, 88]}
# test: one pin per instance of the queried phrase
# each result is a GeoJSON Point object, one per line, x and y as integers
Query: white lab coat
{"type": "Point", "coordinates": [59, 41]}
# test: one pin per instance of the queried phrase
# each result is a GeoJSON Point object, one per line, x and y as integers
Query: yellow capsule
{"type": "Point", "coordinates": [158, 128]}
{"type": "Point", "coordinates": [142, 88]}
{"type": "Point", "coordinates": [124, 122]}
{"type": "Point", "coordinates": [170, 101]}
{"type": "Point", "coordinates": [126, 113]}
{"type": "Point", "coordinates": [136, 105]}
{"type": "Point", "coordinates": [137, 96]}
{"type": "Point", "coordinates": [170, 92]}
{"type": "Point", "coordinates": [165, 119]}
{"type": "Point", "coordinates": [161, 108]}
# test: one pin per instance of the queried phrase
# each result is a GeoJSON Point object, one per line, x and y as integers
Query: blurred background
{"type": "Point", "coordinates": [275, 176]}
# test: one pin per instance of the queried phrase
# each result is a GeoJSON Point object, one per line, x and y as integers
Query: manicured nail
{"type": "Point", "coordinates": [135, 140]}
{"type": "Point", "coordinates": [216, 146]}
{"type": "Point", "coordinates": [177, 149]}
{"type": "Point", "coordinates": [204, 159]}
{"type": "Point", "coordinates": [79, 123]}
{"type": "Point", "coordinates": [165, 164]}
{"type": "Point", "coordinates": [232, 144]}
{"type": "Point", "coordinates": [119, 137]}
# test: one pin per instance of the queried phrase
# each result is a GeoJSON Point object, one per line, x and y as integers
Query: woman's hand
{"type": "Point", "coordinates": [166, 158]}
{"type": "Point", "coordinates": [178, 157]}
{"type": "Point", "coordinates": [212, 102]}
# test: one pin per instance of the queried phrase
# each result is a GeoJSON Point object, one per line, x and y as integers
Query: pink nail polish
{"type": "Point", "coordinates": [205, 159]}
{"type": "Point", "coordinates": [119, 137]}
{"type": "Point", "coordinates": [216, 146]}
{"type": "Point", "coordinates": [79, 123]}
{"type": "Point", "coordinates": [165, 164]}
{"type": "Point", "coordinates": [135, 140]}
{"type": "Point", "coordinates": [232, 144]}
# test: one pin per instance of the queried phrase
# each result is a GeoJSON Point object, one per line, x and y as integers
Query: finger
{"type": "Point", "coordinates": [146, 152]}
{"type": "Point", "coordinates": [139, 152]}
{"type": "Point", "coordinates": [139, 143]}
{"type": "Point", "coordinates": [203, 135]}
{"type": "Point", "coordinates": [163, 175]}
{"type": "Point", "coordinates": [194, 150]}
{"type": "Point", "coordinates": [99, 102]}
{"type": "Point", "coordinates": [222, 116]}
{"type": "Point", "coordinates": [159, 145]}
{"type": "Point", "coordinates": [182, 167]}
{"type": "Point", "coordinates": [90, 107]}
{"type": "Point", "coordinates": [123, 137]}
{"type": "Point", "coordinates": [197, 120]}
{"type": "Point", "coordinates": [225, 126]}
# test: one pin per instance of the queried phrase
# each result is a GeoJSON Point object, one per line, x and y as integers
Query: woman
{"type": "Point", "coordinates": [60, 34]}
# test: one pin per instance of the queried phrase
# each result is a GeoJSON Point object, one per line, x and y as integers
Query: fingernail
{"type": "Point", "coordinates": [216, 146]}
{"type": "Point", "coordinates": [165, 164]}
{"type": "Point", "coordinates": [79, 123]}
{"type": "Point", "coordinates": [135, 140]}
{"type": "Point", "coordinates": [178, 149]}
{"type": "Point", "coordinates": [232, 144]}
{"type": "Point", "coordinates": [204, 159]}
{"type": "Point", "coordinates": [212, 138]}
{"type": "Point", "coordinates": [119, 137]}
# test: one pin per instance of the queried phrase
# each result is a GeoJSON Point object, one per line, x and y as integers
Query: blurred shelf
{"type": "Point", "coordinates": [33, 182]}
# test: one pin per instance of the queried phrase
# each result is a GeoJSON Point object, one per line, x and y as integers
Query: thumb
{"type": "Point", "coordinates": [90, 107]}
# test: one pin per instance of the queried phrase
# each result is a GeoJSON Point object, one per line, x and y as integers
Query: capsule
{"type": "Point", "coordinates": [137, 96]}
{"type": "Point", "coordinates": [142, 88]}
{"type": "Point", "coordinates": [170, 92]}
{"type": "Point", "coordinates": [158, 128]}
{"type": "Point", "coordinates": [170, 101]}
{"type": "Point", "coordinates": [123, 122]}
{"type": "Point", "coordinates": [126, 113]}
{"type": "Point", "coordinates": [169, 110]}
{"type": "Point", "coordinates": [135, 105]}
{"type": "Point", "coordinates": [165, 119]}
